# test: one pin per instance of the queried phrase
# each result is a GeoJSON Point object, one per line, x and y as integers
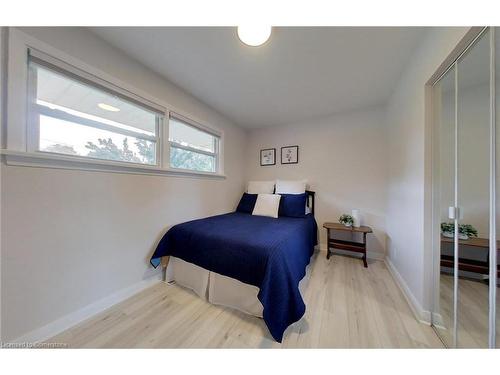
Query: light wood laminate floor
{"type": "Point", "coordinates": [473, 312]}
{"type": "Point", "coordinates": [348, 306]}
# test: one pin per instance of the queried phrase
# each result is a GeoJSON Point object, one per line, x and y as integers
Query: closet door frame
{"type": "Point", "coordinates": [430, 234]}
{"type": "Point", "coordinates": [493, 208]}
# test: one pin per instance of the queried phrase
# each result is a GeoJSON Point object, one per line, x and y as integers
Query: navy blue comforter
{"type": "Point", "coordinates": [271, 254]}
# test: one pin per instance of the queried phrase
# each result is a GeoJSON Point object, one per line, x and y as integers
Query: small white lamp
{"type": "Point", "coordinates": [356, 217]}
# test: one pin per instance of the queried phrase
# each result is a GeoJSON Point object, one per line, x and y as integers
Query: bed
{"type": "Point", "coordinates": [256, 264]}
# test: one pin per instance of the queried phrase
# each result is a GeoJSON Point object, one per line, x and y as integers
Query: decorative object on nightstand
{"type": "Point", "coordinates": [333, 243]}
{"type": "Point", "coordinates": [356, 218]}
{"type": "Point", "coordinates": [465, 231]}
{"type": "Point", "coordinates": [347, 220]}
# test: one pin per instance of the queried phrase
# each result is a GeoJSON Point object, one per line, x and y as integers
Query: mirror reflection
{"type": "Point", "coordinates": [473, 177]}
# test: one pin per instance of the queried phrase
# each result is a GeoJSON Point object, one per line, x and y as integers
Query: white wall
{"type": "Point", "coordinates": [408, 165]}
{"type": "Point", "coordinates": [70, 238]}
{"type": "Point", "coordinates": [344, 159]}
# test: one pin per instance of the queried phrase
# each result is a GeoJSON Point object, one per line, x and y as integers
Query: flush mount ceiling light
{"type": "Point", "coordinates": [108, 107]}
{"type": "Point", "coordinates": [254, 35]}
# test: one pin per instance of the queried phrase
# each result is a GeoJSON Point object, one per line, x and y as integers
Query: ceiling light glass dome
{"type": "Point", "coordinates": [254, 35]}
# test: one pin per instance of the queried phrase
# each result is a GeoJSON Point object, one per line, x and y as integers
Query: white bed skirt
{"type": "Point", "coordinates": [219, 289]}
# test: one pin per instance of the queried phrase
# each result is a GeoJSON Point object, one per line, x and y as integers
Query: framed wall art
{"type": "Point", "coordinates": [290, 155]}
{"type": "Point", "coordinates": [268, 156]}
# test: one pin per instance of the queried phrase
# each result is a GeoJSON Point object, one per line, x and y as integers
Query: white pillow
{"type": "Point", "coordinates": [260, 187]}
{"type": "Point", "coordinates": [291, 187]}
{"type": "Point", "coordinates": [267, 205]}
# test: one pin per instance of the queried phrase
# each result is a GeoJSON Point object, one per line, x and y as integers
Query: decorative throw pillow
{"type": "Point", "coordinates": [247, 203]}
{"type": "Point", "coordinates": [260, 187]}
{"type": "Point", "coordinates": [267, 205]}
{"type": "Point", "coordinates": [291, 187]}
{"type": "Point", "coordinates": [293, 205]}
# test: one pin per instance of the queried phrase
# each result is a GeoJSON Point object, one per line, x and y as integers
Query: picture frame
{"type": "Point", "coordinates": [267, 157]}
{"type": "Point", "coordinates": [290, 155]}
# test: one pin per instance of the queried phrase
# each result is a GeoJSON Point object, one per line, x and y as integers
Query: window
{"type": "Point", "coordinates": [79, 117]}
{"type": "Point", "coordinates": [73, 115]}
{"type": "Point", "coordinates": [192, 147]}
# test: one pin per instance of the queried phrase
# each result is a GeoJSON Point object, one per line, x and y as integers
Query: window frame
{"type": "Point", "coordinates": [194, 125]}
{"type": "Point", "coordinates": [18, 144]}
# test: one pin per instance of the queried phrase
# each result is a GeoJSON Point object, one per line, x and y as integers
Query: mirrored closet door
{"type": "Point", "coordinates": [473, 194]}
{"type": "Point", "coordinates": [464, 198]}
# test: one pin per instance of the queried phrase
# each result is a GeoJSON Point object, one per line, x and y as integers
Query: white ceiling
{"type": "Point", "coordinates": [299, 74]}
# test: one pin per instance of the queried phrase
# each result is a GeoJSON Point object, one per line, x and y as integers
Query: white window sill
{"type": "Point", "coordinates": [47, 160]}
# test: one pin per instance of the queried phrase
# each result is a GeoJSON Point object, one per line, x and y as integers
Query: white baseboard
{"type": "Point", "coordinates": [369, 254]}
{"type": "Point", "coordinates": [422, 315]}
{"type": "Point", "coordinates": [72, 319]}
{"type": "Point", "coordinates": [437, 321]}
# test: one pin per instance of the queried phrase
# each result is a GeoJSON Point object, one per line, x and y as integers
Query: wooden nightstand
{"type": "Point", "coordinates": [358, 247]}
